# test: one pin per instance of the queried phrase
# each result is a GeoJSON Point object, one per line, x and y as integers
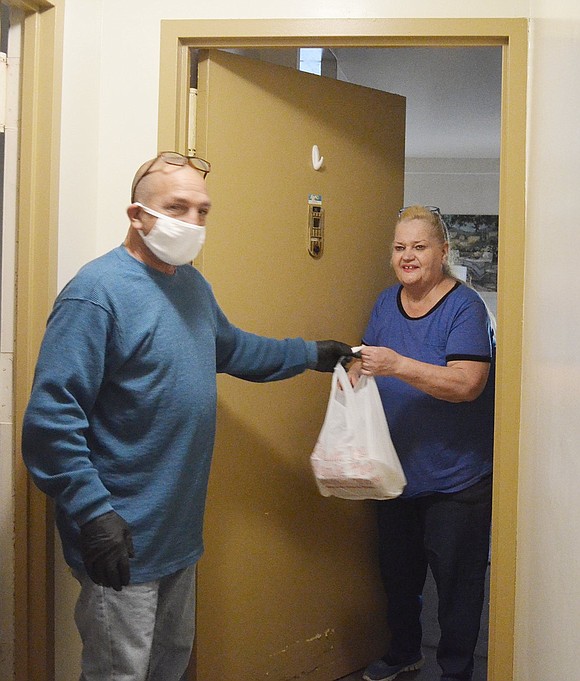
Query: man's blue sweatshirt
{"type": "Point", "coordinates": [123, 406]}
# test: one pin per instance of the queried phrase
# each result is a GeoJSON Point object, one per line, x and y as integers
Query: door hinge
{"type": "Point", "coordinates": [3, 80]}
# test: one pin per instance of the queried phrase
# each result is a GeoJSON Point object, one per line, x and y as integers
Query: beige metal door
{"type": "Point", "coordinates": [288, 586]}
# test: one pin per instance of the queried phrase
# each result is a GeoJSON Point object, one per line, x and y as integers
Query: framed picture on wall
{"type": "Point", "coordinates": [473, 245]}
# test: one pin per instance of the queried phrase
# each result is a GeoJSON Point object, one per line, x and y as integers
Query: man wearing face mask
{"type": "Point", "coordinates": [119, 429]}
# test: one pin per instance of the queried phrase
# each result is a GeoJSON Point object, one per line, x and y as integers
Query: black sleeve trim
{"type": "Point", "coordinates": [468, 358]}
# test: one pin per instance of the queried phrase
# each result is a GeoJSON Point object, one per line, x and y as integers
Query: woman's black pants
{"type": "Point", "coordinates": [450, 533]}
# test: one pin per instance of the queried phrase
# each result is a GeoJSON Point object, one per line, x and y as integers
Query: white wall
{"type": "Point", "coordinates": [460, 186]}
{"type": "Point", "coordinates": [548, 604]}
{"type": "Point", "coordinates": [118, 44]}
{"type": "Point", "coordinates": [453, 95]}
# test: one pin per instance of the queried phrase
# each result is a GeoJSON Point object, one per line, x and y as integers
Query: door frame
{"type": "Point", "coordinates": [36, 267]}
{"type": "Point", "coordinates": [178, 36]}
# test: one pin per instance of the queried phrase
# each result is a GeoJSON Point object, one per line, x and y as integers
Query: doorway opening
{"type": "Point", "coordinates": [453, 110]}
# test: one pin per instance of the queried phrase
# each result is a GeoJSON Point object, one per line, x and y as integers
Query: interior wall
{"type": "Point", "coordinates": [548, 598]}
{"type": "Point", "coordinates": [120, 131]}
{"type": "Point", "coordinates": [458, 186]}
{"type": "Point", "coordinates": [457, 116]}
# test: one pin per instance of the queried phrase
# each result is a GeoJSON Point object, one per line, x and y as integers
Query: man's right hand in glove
{"type": "Point", "coordinates": [106, 547]}
{"type": "Point", "coordinates": [330, 352]}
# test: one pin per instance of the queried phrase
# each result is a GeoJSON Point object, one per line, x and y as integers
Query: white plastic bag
{"type": "Point", "coordinates": [354, 457]}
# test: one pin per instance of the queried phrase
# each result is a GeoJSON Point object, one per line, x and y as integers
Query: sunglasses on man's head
{"type": "Point", "coordinates": [174, 159]}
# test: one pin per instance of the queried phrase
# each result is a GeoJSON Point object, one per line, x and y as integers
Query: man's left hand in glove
{"type": "Point", "coordinates": [106, 547]}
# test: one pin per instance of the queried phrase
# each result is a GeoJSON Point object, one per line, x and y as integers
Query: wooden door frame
{"type": "Point", "coordinates": [36, 265]}
{"type": "Point", "coordinates": [178, 36]}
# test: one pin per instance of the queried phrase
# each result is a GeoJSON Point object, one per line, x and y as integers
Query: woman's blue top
{"type": "Point", "coordinates": [443, 446]}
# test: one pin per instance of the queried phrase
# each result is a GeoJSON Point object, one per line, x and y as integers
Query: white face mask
{"type": "Point", "coordinates": [173, 241]}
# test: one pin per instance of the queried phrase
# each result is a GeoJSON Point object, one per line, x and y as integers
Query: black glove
{"type": "Point", "coordinates": [106, 547]}
{"type": "Point", "coordinates": [329, 353]}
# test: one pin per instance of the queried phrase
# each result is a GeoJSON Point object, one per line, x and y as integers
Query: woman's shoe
{"type": "Point", "coordinates": [382, 671]}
